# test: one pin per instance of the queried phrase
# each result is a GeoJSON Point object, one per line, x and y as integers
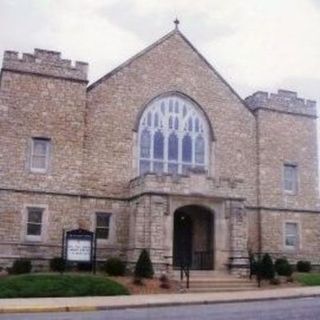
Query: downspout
{"type": "Point", "coordinates": [258, 182]}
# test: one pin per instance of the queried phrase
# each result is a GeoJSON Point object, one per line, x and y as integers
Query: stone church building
{"type": "Point", "coordinates": [160, 153]}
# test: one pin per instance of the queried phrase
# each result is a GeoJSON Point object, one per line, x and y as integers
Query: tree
{"type": "Point", "coordinates": [144, 268]}
{"type": "Point", "coordinates": [267, 267]}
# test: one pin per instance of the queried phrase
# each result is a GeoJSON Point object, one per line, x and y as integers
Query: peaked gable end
{"type": "Point", "coordinates": [180, 37]}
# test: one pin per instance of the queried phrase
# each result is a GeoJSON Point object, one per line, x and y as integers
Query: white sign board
{"type": "Point", "coordinates": [78, 250]}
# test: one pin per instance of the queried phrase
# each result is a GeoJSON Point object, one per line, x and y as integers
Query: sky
{"type": "Point", "coordinates": [253, 44]}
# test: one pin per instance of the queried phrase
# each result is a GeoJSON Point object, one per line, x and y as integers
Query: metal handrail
{"type": "Point", "coordinates": [185, 270]}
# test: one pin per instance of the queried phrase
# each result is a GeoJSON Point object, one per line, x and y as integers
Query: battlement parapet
{"type": "Point", "coordinates": [284, 100]}
{"type": "Point", "coordinates": [45, 62]}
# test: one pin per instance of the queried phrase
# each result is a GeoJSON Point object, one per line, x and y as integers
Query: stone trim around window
{"type": "Point", "coordinates": [295, 178]}
{"type": "Point", "coordinates": [298, 245]}
{"type": "Point", "coordinates": [173, 137]}
{"type": "Point", "coordinates": [42, 237]}
{"type": "Point", "coordinates": [111, 229]}
{"type": "Point", "coordinates": [46, 156]}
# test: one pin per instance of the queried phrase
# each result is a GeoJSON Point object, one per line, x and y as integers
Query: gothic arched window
{"type": "Point", "coordinates": [173, 136]}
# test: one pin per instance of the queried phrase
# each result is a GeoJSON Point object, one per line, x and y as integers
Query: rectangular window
{"type": "Point", "coordinates": [290, 174]}
{"type": "Point", "coordinates": [34, 221]}
{"type": "Point", "coordinates": [39, 154]}
{"type": "Point", "coordinates": [291, 235]}
{"type": "Point", "coordinates": [102, 225]}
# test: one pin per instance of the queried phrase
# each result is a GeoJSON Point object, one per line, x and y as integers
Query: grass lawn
{"type": "Point", "coordinates": [56, 285]}
{"type": "Point", "coordinates": [309, 279]}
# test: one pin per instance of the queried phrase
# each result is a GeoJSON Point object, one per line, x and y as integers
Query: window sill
{"type": "Point", "coordinates": [290, 193]}
{"type": "Point", "coordinates": [291, 249]}
{"type": "Point", "coordinates": [104, 241]}
{"type": "Point", "coordinates": [33, 239]}
{"type": "Point", "coordinates": [38, 171]}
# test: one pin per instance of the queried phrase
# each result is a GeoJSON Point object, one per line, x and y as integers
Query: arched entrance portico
{"type": "Point", "coordinates": [193, 237]}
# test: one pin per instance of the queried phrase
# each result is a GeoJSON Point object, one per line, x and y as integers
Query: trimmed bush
{"type": "Point", "coordinates": [144, 268]}
{"type": "Point", "coordinates": [20, 266]}
{"type": "Point", "coordinates": [57, 264]}
{"type": "Point", "coordinates": [282, 267]}
{"type": "Point", "coordinates": [115, 267]}
{"type": "Point", "coordinates": [266, 267]}
{"type": "Point", "coordinates": [303, 266]}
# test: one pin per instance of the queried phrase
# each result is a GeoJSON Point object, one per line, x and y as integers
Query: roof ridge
{"type": "Point", "coordinates": [134, 57]}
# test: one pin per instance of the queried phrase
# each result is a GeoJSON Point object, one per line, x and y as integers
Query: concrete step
{"type": "Point", "coordinates": [204, 274]}
{"type": "Point", "coordinates": [215, 281]}
{"type": "Point", "coordinates": [233, 289]}
{"type": "Point", "coordinates": [221, 285]}
{"type": "Point", "coordinates": [219, 280]}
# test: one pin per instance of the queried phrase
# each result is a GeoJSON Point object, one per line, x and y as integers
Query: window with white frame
{"type": "Point", "coordinates": [291, 235]}
{"type": "Point", "coordinates": [290, 178]}
{"type": "Point", "coordinates": [173, 137]}
{"type": "Point", "coordinates": [102, 225]}
{"type": "Point", "coordinates": [39, 159]}
{"type": "Point", "coordinates": [34, 222]}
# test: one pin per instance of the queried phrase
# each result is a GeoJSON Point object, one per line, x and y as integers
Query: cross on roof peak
{"type": "Point", "coordinates": [176, 22]}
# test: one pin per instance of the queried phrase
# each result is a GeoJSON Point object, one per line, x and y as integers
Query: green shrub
{"type": "Point", "coordinates": [144, 268]}
{"type": "Point", "coordinates": [303, 266]}
{"type": "Point", "coordinates": [115, 267]}
{"type": "Point", "coordinates": [266, 267]}
{"type": "Point", "coordinates": [57, 264]}
{"type": "Point", "coordinates": [20, 266]}
{"type": "Point", "coordinates": [282, 267]}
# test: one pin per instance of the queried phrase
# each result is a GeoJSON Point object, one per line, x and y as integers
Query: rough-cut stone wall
{"type": "Point", "coordinates": [292, 139]}
{"type": "Point", "coordinates": [41, 106]}
{"type": "Point", "coordinates": [287, 133]}
{"type": "Point", "coordinates": [253, 230]}
{"type": "Point", "coordinates": [93, 162]}
{"type": "Point", "coordinates": [287, 137]}
{"type": "Point", "coordinates": [147, 229]}
{"type": "Point", "coordinates": [273, 235]}
{"type": "Point", "coordinates": [44, 62]}
{"type": "Point", "coordinates": [115, 103]}
{"type": "Point", "coordinates": [60, 212]}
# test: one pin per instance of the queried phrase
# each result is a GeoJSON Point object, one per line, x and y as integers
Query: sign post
{"type": "Point", "coordinates": [79, 246]}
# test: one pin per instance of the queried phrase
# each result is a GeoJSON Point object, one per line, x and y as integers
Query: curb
{"type": "Point", "coordinates": [42, 309]}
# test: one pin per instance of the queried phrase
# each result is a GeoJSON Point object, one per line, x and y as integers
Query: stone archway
{"type": "Point", "coordinates": [193, 238]}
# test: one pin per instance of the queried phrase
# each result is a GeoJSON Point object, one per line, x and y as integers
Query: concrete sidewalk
{"type": "Point", "coordinates": [155, 300]}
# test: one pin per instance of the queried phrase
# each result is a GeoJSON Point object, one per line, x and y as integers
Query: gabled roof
{"type": "Point", "coordinates": [155, 44]}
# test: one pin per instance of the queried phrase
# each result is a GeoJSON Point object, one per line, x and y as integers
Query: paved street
{"type": "Point", "coordinates": [294, 309]}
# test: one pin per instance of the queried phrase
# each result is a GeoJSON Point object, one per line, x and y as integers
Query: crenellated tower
{"type": "Point", "coordinates": [46, 63]}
